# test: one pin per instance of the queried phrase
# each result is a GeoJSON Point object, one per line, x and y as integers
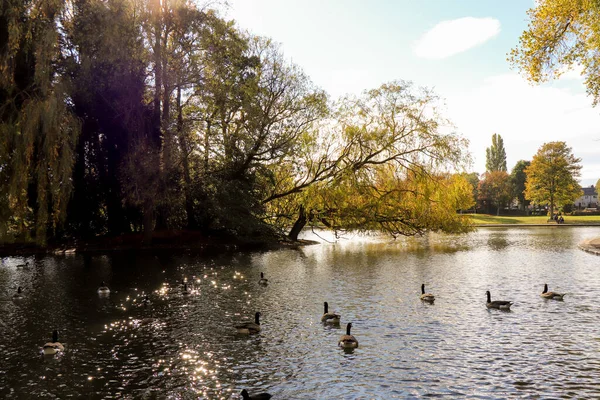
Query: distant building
{"type": "Point", "coordinates": [589, 198]}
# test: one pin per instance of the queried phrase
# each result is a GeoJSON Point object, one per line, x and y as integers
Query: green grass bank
{"type": "Point", "coordinates": [485, 219]}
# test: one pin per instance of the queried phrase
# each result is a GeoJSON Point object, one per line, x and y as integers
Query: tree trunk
{"type": "Point", "coordinates": [157, 62]}
{"type": "Point", "coordinates": [299, 224]}
{"type": "Point", "coordinates": [207, 145]}
{"type": "Point", "coordinates": [187, 190]}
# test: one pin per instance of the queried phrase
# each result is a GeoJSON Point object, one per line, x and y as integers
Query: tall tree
{"type": "Point", "coordinates": [517, 179]}
{"type": "Point", "coordinates": [38, 131]}
{"type": "Point", "coordinates": [495, 189]}
{"type": "Point", "coordinates": [108, 75]}
{"type": "Point", "coordinates": [551, 177]}
{"type": "Point", "coordinates": [382, 149]}
{"type": "Point", "coordinates": [495, 155]}
{"type": "Point", "coordinates": [561, 34]}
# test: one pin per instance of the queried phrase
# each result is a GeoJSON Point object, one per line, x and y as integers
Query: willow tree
{"type": "Point", "coordinates": [376, 165]}
{"type": "Point", "coordinates": [552, 176]}
{"type": "Point", "coordinates": [561, 34]}
{"type": "Point", "coordinates": [38, 132]}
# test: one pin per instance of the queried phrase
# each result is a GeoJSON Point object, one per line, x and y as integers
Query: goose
{"type": "Point", "coordinates": [329, 317]}
{"type": "Point", "coordinates": [263, 280]}
{"type": "Point", "coordinates": [53, 347]}
{"type": "Point", "coordinates": [18, 295]}
{"type": "Point", "coordinates": [103, 289]}
{"type": "Point", "coordinates": [348, 341]}
{"type": "Point", "coordinates": [499, 304]}
{"type": "Point", "coordinates": [23, 265]}
{"type": "Point", "coordinates": [428, 297]}
{"type": "Point", "coordinates": [551, 295]}
{"type": "Point", "coordinates": [260, 396]}
{"type": "Point", "coordinates": [249, 327]}
{"type": "Point", "coordinates": [186, 290]}
{"type": "Point", "coordinates": [146, 302]}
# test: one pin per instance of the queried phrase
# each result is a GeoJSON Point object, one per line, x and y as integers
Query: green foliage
{"type": "Point", "coordinates": [473, 179]}
{"type": "Point", "coordinates": [495, 155]}
{"type": "Point", "coordinates": [38, 131]}
{"type": "Point", "coordinates": [377, 166]}
{"type": "Point", "coordinates": [567, 208]}
{"type": "Point", "coordinates": [551, 177]}
{"type": "Point", "coordinates": [126, 116]}
{"type": "Point", "coordinates": [517, 179]}
{"type": "Point", "coordinates": [561, 34]}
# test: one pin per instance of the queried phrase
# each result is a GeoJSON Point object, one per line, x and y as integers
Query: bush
{"type": "Point", "coordinates": [567, 208]}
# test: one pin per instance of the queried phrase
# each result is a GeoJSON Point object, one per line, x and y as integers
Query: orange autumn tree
{"type": "Point", "coordinates": [495, 189]}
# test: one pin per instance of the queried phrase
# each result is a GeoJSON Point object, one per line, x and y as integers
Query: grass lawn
{"type": "Point", "coordinates": [483, 219]}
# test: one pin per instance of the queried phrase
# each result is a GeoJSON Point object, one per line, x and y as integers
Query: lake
{"type": "Point", "coordinates": [184, 346]}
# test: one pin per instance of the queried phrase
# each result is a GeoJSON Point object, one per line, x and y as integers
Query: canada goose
{"type": "Point", "coordinates": [103, 289]}
{"type": "Point", "coordinates": [18, 295]}
{"type": "Point", "coordinates": [499, 304]}
{"type": "Point", "coordinates": [263, 280]}
{"type": "Point", "coordinates": [23, 265]}
{"type": "Point", "coordinates": [249, 327]}
{"type": "Point", "coordinates": [186, 290]}
{"type": "Point", "coordinates": [146, 302]}
{"type": "Point", "coordinates": [551, 295]}
{"type": "Point", "coordinates": [348, 341]}
{"type": "Point", "coordinates": [260, 396]}
{"type": "Point", "coordinates": [428, 297]}
{"type": "Point", "coordinates": [53, 347]}
{"type": "Point", "coordinates": [329, 317]}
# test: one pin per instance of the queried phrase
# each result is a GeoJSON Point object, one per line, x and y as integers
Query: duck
{"type": "Point", "coordinates": [249, 327]}
{"type": "Point", "coordinates": [263, 280]}
{"type": "Point", "coordinates": [19, 294]}
{"type": "Point", "coordinates": [551, 295]}
{"type": "Point", "coordinates": [260, 396]}
{"type": "Point", "coordinates": [23, 265]}
{"type": "Point", "coordinates": [428, 297]}
{"type": "Point", "coordinates": [499, 304]}
{"type": "Point", "coordinates": [103, 289]}
{"type": "Point", "coordinates": [53, 347]}
{"type": "Point", "coordinates": [329, 317]}
{"type": "Point", "coordinates": [348, 341]}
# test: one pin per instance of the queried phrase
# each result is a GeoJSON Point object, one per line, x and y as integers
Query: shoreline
{"type": "Point", "coordinates": [171, 241]}
{"type": "Point", "coordinates": [193, 242]}
{"type": "Point", "coordinates": [546, 225]}
{"type": "Point", "coordinates": [591, 246]}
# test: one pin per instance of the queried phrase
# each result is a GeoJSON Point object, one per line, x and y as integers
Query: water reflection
{"type": "Point", "coordinates": [498, 241]}
{"type": "Point", "coordinates": [186, 346]}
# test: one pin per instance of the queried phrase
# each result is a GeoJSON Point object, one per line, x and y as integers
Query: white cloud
{"type": "Point", "coordinates": [526, 117]}
{"type": "Point", "coordinates": [451, 37]}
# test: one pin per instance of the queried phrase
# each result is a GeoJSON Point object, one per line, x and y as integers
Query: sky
{"type": "Point", "coordinates": [456, 47]}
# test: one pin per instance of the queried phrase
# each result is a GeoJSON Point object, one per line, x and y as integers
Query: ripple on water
{"type": "Point", "coordinates": [185, 346]}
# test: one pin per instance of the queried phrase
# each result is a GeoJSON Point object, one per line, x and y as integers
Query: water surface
{"type": "Point", "coordinates": [185, 346]}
